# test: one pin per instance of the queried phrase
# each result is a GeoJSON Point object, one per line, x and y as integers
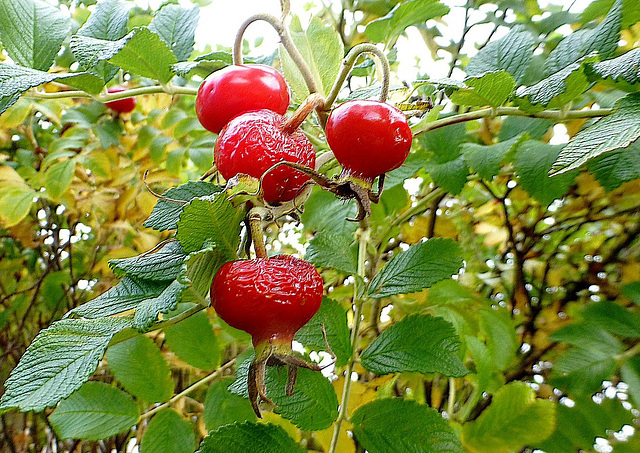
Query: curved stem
{"type": "Point", "coordinates": [557, 115]}
{"type": "Point", "coordinates": [189, 389]}
{"type": "Point", "coordinates": [287, 43]}
{"type": "Point", "coordinates": [363, 242]}
{"type": "Point", "coordinates": [347, 65]}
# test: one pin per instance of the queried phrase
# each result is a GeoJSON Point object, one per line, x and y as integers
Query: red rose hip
{"type": "Point", "coordinates": [238, 89]}
{"type": "Point", "coordinates": [269, 298]}
{"type": "Point", "coordinates": [368, 138]}
{"type": "Point", "coordinates": [125, 105]}
{"type": "Point", "coordinates": [253, 142]}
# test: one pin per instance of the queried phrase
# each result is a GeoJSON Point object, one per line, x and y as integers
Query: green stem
{"type": "Point", "coordinates": [189, 389]}
{"type": "Point", "coordinates": [420, 206]}
{"type": "Point", "coordinates": [632, 351]}
{"type": "Point", "coordinates": [347, 65]}
{"type": "Point", "coordinates": [107, 97]}
{"type": "Point", "coordinates": [558, 115]}
{"type": "Point", "coordinates": [257, 235]}
{"type": "Point", "coordinates": [285, 40]}
{"type": "Point", "coordinates": [363, 243]}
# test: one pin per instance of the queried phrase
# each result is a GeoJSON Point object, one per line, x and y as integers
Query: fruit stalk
{"type": "Point", "coordinates": [257, 236]}
{"type": "Point", "coordinates": [312, 102]}
{"type": "Point", "coordinates": [363, 244]}
{"type": "Point", "coordinates": [286, 41]}
{"type": "Point", "coordinates": [348, 63]}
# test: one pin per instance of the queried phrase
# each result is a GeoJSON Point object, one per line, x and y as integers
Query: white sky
{"type": "Point", "coordinates": [220, 20]}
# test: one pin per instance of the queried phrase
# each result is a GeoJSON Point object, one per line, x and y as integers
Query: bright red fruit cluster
{"type": "Point", "coordinates": [269, 298]}
{"type": "Point", "coordinates": [368, 138]}
{"type": "Point", "coordinates": [244, 104]}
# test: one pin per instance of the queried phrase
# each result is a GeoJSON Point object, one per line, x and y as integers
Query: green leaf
{"type": "Point", "coordinates": [248, 437]}
{"type": "Point", "coordinates": [15, 203]}
{"type": "Point", "coordinates": [599, 8]}
{"type": "Point", "coordinates": [578, 426]}
{"type": "Point", "coordinates": [417, 268]}
{"type": "Point", "coordinates": [622, 72]}
{"type": "Point", "coordinates": [487, 160]}
{"type": "Point", "coordinates": [32, 31]}
{"type": "Point", "coordinates": [532, 161]}
{"type": "Point", "coordinates": [615, 131]}
{"type": "Point", "coordinates": [221, 407]}
{"type": "Point", "coordinates": [632, 291]}
{"type": "Point", "coordinates": [512, 54]}
{"type": "Point", "coordinates": [58, 361]}
{"type": "Point", "coordinates": [587, 335]}
{"type": "Point", "coordinates": [15, 80]}
{"type": "Point", "coordinates": [327, 249]}
{"type": "Point", "coordinates": [413, 12]}
{"type": "Point", "coordinates": [96, 411]}
{"type": "Point", "coordinates": [163, 264]}
{"type": "Point", "coordinates": [420, 343]}
{"type": "Point", "coordinates": [166, 214]}
{"type": "Point", "coordinates": [57, 178]}
{"type": "Point", "coordinates": [194, 341]}
{"type": "Point", "coordinates": [138, 365]}
{"type": "Point", "coordinates": [514, 419]}
{"type": "Point", "coordinates": [630, 373]}
{"type": "Point", "coordinates": [493, 89]}
{"type": "Point", "coordinates": [333, 317]}
{"type": "Point", "coordinates": [313, 405]}
{"type": "Point", "coordinates": [108, 21]}
{"type": "Point", "coordinates": [555, 91]}
{"type": "Point", "coordinates": [501, 336]}
{"type": "Point", "coordinates": [126, 295]}
{"type": "Point", "coordinates": [614, 168]}
{"type": "Point", "coordinates": [322, 50]}
{"type": "Point", "coordinates": [148, 310]}
{"type": "Point", "coordinates": [211, 220]}
{"type": "Point", "coordinates": [387, 425]}
{"type": "Point", "coordinates": [450, 175]}
{"type": "Point", "coordinates": [602, 39]}
{"type": "Point", "coordinates": [324, 212]}
{"type": "Point", "coordinates": [145, 54]}
{"type": "Point", "coordinates": [515, 126]}
{"type": "Point", "coordinates": [176, 26]}
{"type": "Point", "coordinates": [582, 370]}
{"type": "Point", "coordinates": [168, 431]}
{"type": "Point", "coordinates": [613, 318]}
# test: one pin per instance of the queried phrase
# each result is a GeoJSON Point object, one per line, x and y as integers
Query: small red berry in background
{"type": "Point", "coordinates": [253, 142]}
{"type": "Point", "coordinates": [269, 298]}
{"type": "Point", "coordinates": [238, 89]}
{"type": "Point", "coordinates": [368, 138]}
{"type": "Point", "coordinates": [121, 105]}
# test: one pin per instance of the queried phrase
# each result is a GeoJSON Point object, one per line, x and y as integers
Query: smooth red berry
{"type": "Point", "coordinates": [253, 142]}
{"type": "Point", "coordinates": [269, 298]}
{"type": "Point", "coordinates": [125, 105]}
{"type": "Point", "coordinates": [238, 89]}
{"type": "Point", "coordinates": [368, 138]}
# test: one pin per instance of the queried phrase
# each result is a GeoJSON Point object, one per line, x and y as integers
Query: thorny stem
{"type": "Point", "coordinates": [347, 65]}
{"type": "Point", "coordinates": [287, 43]}
{"type": "Point", "coordinates": [363, 243]}
{"type": "Point", "coordinates": [189, 389]}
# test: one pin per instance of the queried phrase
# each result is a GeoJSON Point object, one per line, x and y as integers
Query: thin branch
{"type": "Point", "coordinates": [557, 115]}
{"type": "Point", "coordinates": [189, 389]}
